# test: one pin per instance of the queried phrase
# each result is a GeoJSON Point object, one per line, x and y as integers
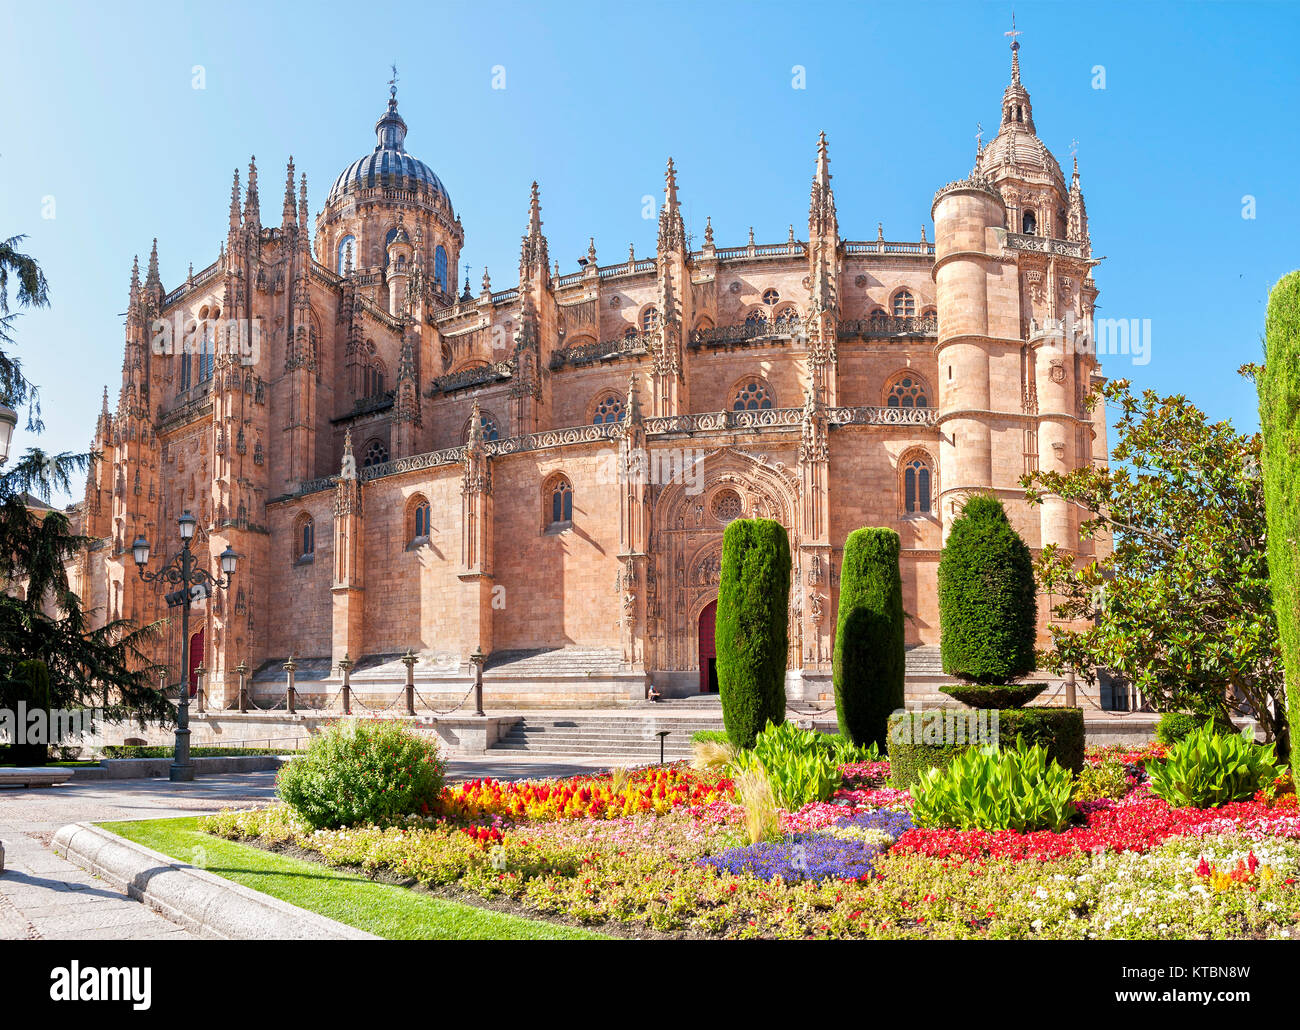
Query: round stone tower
{"type": "Point", "coordinates": [974, 329]}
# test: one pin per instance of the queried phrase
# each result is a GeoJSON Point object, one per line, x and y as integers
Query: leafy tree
{"type": "Point", "coordinates": [1181, 607]}
{"type": "Point", "coordinates": [869, 663]}
{"type": "Point", "coordinates": [988, 610]}
{"type": "Point", "coordinates": [1279, 419]}
{"type": "Point", "coordinates": [48, 647]}
{"type": "Point", "coordinates": [753, 630]}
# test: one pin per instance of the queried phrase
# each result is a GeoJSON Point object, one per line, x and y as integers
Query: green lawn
{"type": "Point", "coordinates": [382, 909]}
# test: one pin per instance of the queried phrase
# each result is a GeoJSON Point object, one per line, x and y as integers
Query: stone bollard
{"type": "Point", "coordinates": [346, 665]}
{"type": "Point", "coordinates": [200, 678]}
{"type": "Point", "coordinates": [289, 667]}
{"type": "Point", "coordinates": [242, 669]}
{"type": "Point", "coordinates": [409, 659]}
{"type": "Point", "coordinates": [478, 658]}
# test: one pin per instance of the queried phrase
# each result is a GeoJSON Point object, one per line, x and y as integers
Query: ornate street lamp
{"type": "Point", "coordinates": [8, 422]}
{"type": "Point", "coordinates": [193, 581]}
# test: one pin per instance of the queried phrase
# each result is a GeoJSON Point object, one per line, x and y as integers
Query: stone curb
{"type": "Point", "coordinates": [199, 901]}
{"type": "Point", "coordinates": [153, 768]}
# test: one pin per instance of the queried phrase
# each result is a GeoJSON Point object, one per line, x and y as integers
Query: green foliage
{"type": "Point", "coordinates": [869, 659]}
{"type": "Point", "coordinates": [988, 609]}
{"type": "Point", "coordinates": [990, 789]}
{"type": "Point", "coordinates": [710, 737]}
{"type": "Point", "coordinates": [1208, 768]}
{"type": "Point", "coordinates": [1107, 779]}
{"type": "Point", "coordinates": [933, 739]}
{"type": "Point", "coordinates": [1279, 419]}
{"type": "Point", "coordinates": [1181, 607]}
{"type": "Point", "coordinates": [30, 687]}
{"type": "Point", "coordinates": [1174, 726]}
{"type": "Point", "coordinates": [1015, 695]}
{"type": "Point", "coordinates": [363, 774]}
{"type": "Point", "coordinates": [752, 629]}
{"type": "Point", "coordinates": [801, 765]}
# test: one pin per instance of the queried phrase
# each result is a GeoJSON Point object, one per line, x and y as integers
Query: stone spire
{"type": "Point", "coordinates": [672, 231]}
{"type": "Point", "coordinates": [533, 256]}
{"type": "Point", "coordinates": [152, 278]}
{"type": "Point", "coordinates": [1016, 109]}
{"type": "Point", "coordinates": [290, 216]}
{"type": "Point", "coordinates": [252, 210]}
{"type": "Point", "coordinates": [822, 220]}
{"type": "Point", "coordinates": [1077, 227]}
{"type": "Point", "coordinates": [234, 203]}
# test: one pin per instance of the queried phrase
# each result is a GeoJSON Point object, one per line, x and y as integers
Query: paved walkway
{"type": "Point", "coordinates": [45, 896]}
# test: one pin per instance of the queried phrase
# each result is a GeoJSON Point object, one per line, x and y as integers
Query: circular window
{"type": "Point", "coordinates": [726, 506]}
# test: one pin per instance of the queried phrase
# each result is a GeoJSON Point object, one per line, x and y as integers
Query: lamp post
{"type": "Point", "coordinates": [8, 422]}
{"type": "Point", "coordinates": [182, 570]}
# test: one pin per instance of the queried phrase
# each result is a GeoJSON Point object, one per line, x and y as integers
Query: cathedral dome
{"type": "Point", "coordinates": [388, 164]}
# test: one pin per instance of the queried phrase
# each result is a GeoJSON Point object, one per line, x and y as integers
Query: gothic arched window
{"type": "Point", "coordinates": [753, 395]}
{"type": "Point", "coordinates": [904, 304]}
{"type": "Point", "coordinates": [918, 485]}
{"type": "Point", "coordinates": [1029, 224]}
{"type": "Point", "coordinates": [908, 391]}
{"type": "Point", "coordinates": [419, 519]}
{"type": "Point", "coordinates": [374, 380]}
{"type": "Point", "coordinates": [650, 319]}
{"type": "Point", "coordinates": [608, 409]}
{"type": "Point", "coordinates": [305, 538]}
{"type": "Point", "coordinates": [341, 265]}
{"type": "Point", "coordinates": [559, 499]}
{"type": "Point", "coordinates": [440, 267]}
{"type": "Point", "coordinates": [376, 453]}
{"type": "Point", "coordinates": [489, 424]}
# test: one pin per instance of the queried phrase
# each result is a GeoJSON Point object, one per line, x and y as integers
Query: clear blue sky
{"type": "Point", "coordinates": [1198, 111]}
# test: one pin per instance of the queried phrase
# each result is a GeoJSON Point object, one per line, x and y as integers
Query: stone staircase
{"type": "Point", "coordinates": [621, 739]}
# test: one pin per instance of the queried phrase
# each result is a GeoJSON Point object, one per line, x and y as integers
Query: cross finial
{"type": "Point", "coordinates": [1014, 32]}
{"type": "Point", "coordinates": [1074, 146]}
{"type": "Point", "coordinates": [979, 134]}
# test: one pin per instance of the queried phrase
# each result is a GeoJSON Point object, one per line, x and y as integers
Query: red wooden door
{"type": "Point", "coordinates": [196, 659]}
{"type": "Point", "coordinates": [708, 650]}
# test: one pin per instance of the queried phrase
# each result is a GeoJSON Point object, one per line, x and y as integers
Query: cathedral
{"type": "Point", "coordinates": [541, 471]}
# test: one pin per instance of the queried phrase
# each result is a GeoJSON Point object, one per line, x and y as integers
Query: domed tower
{"type": "Point", "coordinates": [378, 196]}
{"type": "Point", "coordinates": [1013, 275]}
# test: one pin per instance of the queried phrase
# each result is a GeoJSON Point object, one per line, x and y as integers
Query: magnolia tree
{"type": "Point", "coordinates": [1181, 607]}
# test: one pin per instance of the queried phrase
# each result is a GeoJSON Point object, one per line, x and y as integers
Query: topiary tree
{"type": "Point", "coordinates": [869, 660]}
{"type": "Point", "coordinates": [31, 688]}
{"type": "Point", "coordinates": [1279, 419]}
{"type": "Point", "coordinates": [988, 608]}
{"type": "Point", "coordinates": [752, 632]}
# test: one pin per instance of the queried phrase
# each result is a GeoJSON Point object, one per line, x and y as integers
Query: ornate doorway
{"type": "Point", "coordinates": [196, 659]}
{"type": "Point", "coordinates": [708, 650]}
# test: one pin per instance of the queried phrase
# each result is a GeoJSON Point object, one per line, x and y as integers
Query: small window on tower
{"type": "Point", "coordinates": [1029, 224]}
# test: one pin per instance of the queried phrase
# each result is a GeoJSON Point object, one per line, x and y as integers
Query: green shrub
{"type": "Point", "coordinates": [1107, 779]}
{"type": "Point", "coordinates": [988, 608]}
{"type": "Point", "coordinates": [1208, 768]}
{"type": "Point", "coordinates": [990, 789]}
{"type": "Point", "coordinates": [1174, 726]}
{"type": "Point", "coordinates": [801, 765]}
{"type": "Point", "coordinates": [869, 659]}
{"type": "Point", "coordinates": [32, 688]}
{"type": "Point", "coordinates": [710, 737]}
{"type": "Point", "coordinates": [932, 739]}
{"type": "Point", "coordinates": [975, 695]}
{"type": "Point", "coordinates": [364, 773]}
{"type": "Point", "coordinates": [752, 629]}
{"type": "Point", "coordinates": [1279, 420]}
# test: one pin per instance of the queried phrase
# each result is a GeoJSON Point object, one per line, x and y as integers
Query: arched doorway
{"type": "Point", "coordinates": [708, 650]}
{"type": "Point", "coordinates": [196, 659]}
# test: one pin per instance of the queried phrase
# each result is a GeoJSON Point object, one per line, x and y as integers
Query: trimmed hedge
{"type": "Point", "coordinates": [988, 607]}
{"type": "Point", "coordinates": [1174, 726]}
{"type": "Point", "coordinates": [1279, 420]}
{"type": "Point", "coordinates": [869, 661]}
{"type": "Point", "coordinates": [1014, 695]}
{"type": "Point", "coordinates": [1059, 730]}
{"type": "Point", "coordinates": [752, 633]}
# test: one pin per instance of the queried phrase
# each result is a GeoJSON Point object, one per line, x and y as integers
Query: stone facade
{"type": "Point", "coordinates": [551, 465]}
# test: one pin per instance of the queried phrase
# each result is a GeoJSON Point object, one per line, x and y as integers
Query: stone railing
{"type": "Point", "coordinates": [718, 421]}
{"type": "Point", "coordinates": [480, 375]}
{"type": "Point", "coordinates": [590, 353]}
{"type": "Point", "coordinates": [555, 438]}
{"type": "Point", "coordinates": [889, 325]}
{"type": "Point", "coordinates": [761, 251]}
{"type": "Point", "coordinates": [858, 248]}
{"type": "Point", "coordinates": [191, 284]}
{"type": "Point", "coordinates": [883, 416]}
{"type": "Point", "coordinates": [627, 268]}
{"type": "Point", "coordinates": [782, 327]}
{"type": "Point", "coordinates": [1045, 245]}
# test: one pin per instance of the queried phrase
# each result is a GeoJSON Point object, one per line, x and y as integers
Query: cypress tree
{"type": "Point", "coordinates": [752, 630]}
{"type": "Point", "coordinates": [869, 661]}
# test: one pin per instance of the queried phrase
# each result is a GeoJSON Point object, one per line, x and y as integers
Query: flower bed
{"type": "Point", "coordinates": [666, 850]}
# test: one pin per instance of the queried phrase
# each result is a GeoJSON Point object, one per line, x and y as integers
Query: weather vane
{"type": "Point", "coordinates": [1074, 147]}
{"type": "Point", "coordinates": [1014, 32]}
{"type": "Point", "coordinates": [979, 135]}
{"type": "Point", "coordinates": [392, 83]}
